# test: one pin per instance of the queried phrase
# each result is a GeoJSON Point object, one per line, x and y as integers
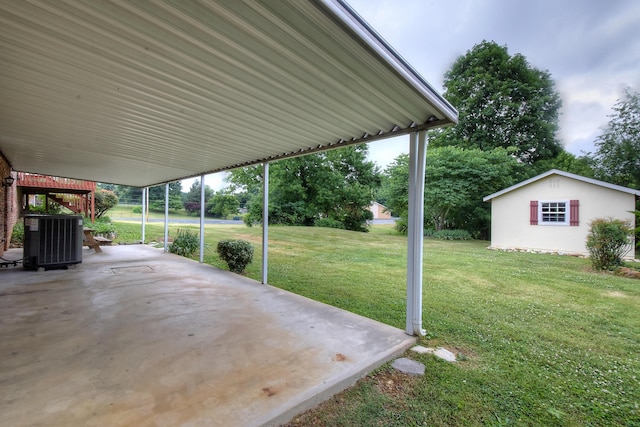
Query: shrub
{"type": "Point", "coordinates": [328, 223]}
{"type": "Point", "coordinates": [402, 225]}
{"type": "Point", "coordinates": [429, 232]}
{"type": "Point", "coordinates": [17, 236]}
{"type": "Point", "coordinates": [608, 240]}
{"type": "Point", "coordinates": [137, 209]}
{"type": "Point", "coordinates": [104, 200]}
{"type": "Point", "coordinates": [186, 243]}
{"type": "Point", "coordinates": [452, 235]}
{"type": "Point", "coordinates": [222, 205]}
{"type": "Point", "coordinates": [192, 208]}
{"type": "Point", "coordinates": [102, 226]}
{"type": "Point", "coordinates": [43, 207]}
{"type": "Point", "coordinates": [236, 253]}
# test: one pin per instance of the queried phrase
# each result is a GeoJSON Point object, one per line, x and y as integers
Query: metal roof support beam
{"type": "Point", "coordinates": [417, 164]}
{"type": "Point", "coordinates": [166, 217]}
{"type": "Point", "coordinates": [201, 219]}
{"type": "Point", "coordinates": [265, 223]}
{"type": "Point", "coordinates": [144, 212]}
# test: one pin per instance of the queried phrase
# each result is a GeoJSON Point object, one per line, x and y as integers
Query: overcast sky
{"type": "Point", "coordinates": [591, 49]}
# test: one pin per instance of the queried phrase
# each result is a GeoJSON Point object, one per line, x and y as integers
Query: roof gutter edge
{"type": "Point", "coordinates": [365, 139]}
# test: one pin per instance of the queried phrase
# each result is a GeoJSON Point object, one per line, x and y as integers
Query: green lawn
{"type": "Point", "coordinates": [543, 340]}
{"type": "Point", "coordinates": [126, 211]}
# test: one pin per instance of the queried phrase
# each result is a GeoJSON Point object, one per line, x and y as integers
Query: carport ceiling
{"type": "Point", "coordinates": [141, 93]}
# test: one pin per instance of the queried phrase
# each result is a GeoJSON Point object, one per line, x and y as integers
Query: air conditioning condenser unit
{"type": "Point", "coordinates": [52, 241]}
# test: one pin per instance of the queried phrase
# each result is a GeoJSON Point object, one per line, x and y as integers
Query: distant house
{"type": "Point", "coordinates": [551, 212]}
{"type": "Point", "coordinates": [379, 211]}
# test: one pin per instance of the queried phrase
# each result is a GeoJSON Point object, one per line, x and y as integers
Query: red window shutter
{"type": "Point", "coordinates": [533, 212]}
{"type": "Point", "coordinates": [574, 212]}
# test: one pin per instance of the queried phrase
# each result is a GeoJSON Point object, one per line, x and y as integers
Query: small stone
{"type": "Point", "coordinates": [422, 350]}
{"type": "Point", "coordinates": [408, 366]}
{"type": "Point", "coordinates": [445, 354]}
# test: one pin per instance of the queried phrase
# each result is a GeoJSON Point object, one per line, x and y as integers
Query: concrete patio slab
{"type": "Point", "coordinates": [134, 336]}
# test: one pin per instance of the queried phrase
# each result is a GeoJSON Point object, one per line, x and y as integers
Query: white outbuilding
{"type": "Point", "coordinates": [551, 212]}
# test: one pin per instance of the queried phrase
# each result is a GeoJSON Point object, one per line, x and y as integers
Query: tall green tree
{"type": "Point", "coordinates": [456, 180]}
{"type": "Point", "coordinates": [223, 204]}
{"type": "Point", "coordinates": [567, 162]}
{"type": "Point", "coordinates": [503, 102]}
{"type": "Point", "coordinates": [335, 186]}
{"type": "Point", "coordinates": [128, 195]}
{"type": "Point", "coordinates": [157, 196]}
{"type": "Point", "coordinates": [191, 199]}
{"type": "Point", "coordinates": [617, 156]}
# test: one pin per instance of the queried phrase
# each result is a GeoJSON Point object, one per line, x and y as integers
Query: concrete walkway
{"type": "Point", "coordinates": [134, 336]}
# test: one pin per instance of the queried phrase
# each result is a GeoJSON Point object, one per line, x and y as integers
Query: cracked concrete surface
{"type": "Point", "coordinates": [134, 336]}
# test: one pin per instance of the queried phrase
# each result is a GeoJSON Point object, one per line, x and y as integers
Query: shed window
{"type": "Point", "coordinates": [554, 212]}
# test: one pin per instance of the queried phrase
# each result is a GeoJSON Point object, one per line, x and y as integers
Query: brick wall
{"type": "Point", "coordinates": [8, 206]}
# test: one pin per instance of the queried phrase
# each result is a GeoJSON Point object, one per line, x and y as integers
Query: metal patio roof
{"type": "Point", "coordinates": [147, 92]}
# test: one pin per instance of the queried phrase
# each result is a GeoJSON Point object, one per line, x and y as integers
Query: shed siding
{"type": "Point", "coordinates": [511, 225]}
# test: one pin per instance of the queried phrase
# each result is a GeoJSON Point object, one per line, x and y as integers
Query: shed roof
{"type": "Point", "coordinates": [142, 93]}
{"type": "Point", "coordinates": [566, 175]}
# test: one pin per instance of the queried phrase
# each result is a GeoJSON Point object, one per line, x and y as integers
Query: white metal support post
{"type": "Point", "coordinates": [166, 217]}
{"type": "Point", "coordinates": [144, 212]}
{"type": "Point", "coordinates": [417, 164]}
{"type": "Point", "coordinates": [201, 219]}
{"type": "Point", "coordinates": [265, 223]}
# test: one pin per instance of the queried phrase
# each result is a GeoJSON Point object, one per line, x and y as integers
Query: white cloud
{"type": "Point", "coordinates": [385, 151]}
{"type": "Point", "coordinates": [215, 181]}
{"type": "Point", "coordinates": [591, 49]}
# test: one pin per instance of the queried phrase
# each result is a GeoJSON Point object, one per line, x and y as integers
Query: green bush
{"type": "Point", "coordinates": [186, 244]}
{"type": "Point", "coordinates": [137, 209]}
{"type": "Point", "coordinates": [54, 208]}
{"type": "Point", "coordinates": [452, 235]}
{"type": "Point", "coordinates": [102, 226]}
{"type": "Point", "coordinates": [104, 200]}
{"type": "Point", "coordinates": [328, 223]}
{"type": "Point", "coordinates": [402, 225]}
{"type": "Point", "coordinates": [17, 236]}
{"type": "Point", "coordinates": [608, 240]}
{"type": "Point", "coordinates": [236, 253]}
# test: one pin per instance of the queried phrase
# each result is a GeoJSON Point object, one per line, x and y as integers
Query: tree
{"type": "Point", "coordinates": [157, 196]}
{"type": "Point", "coordinates": [335, 186]}
{"type": "Point", "coordinates": [191, 200]}
{"type": "Point", "coordinates": [223, 204]}
{"type": "Point", "coordinates": [617, 157]}
{"type": "Point", "coordinates": [502, 102]}
{"type": "Point", "coordinates": [567, 162]}
{"type": "Point", "coordinates": [110, 187]}
{"type": "Point", "coordinates": [127, 195]}
{"type": "Point", "coordinates": [104, 200]}
{"type": "Point", "coordinates": [456, 180]}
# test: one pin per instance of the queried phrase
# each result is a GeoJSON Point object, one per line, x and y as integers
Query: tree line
{"type": "Point", "coordinates": [220, 204]}
{"type": "Point", "coordinates": [507, 132]}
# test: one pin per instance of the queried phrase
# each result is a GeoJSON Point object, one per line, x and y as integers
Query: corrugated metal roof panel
{"type": "Point", "coordinates": [148, 92]}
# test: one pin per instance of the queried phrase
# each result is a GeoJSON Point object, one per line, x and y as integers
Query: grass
{"type": "Point", "coordinates": [119, 212]}
{"type": "Point", "coordinates": [543, 340]}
